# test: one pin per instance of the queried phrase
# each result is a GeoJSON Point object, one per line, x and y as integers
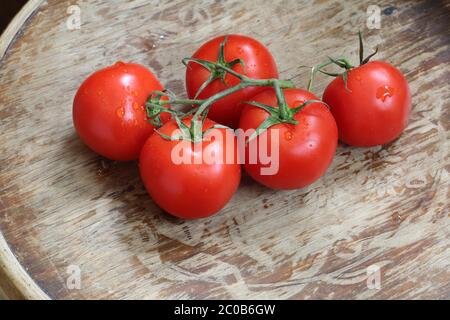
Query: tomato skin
{"type": "Point", "coordinates": [109, 113]}
{"type": "Point", "coordinates": [306, 149]}
{"type": "Point", "coordinates": [188, 191]}
{"type": "Point", "coordinates": [376, 109]}
{"type": "Point", "coordinates": [259, 64]}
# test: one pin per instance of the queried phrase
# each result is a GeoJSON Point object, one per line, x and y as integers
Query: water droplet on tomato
{"type": "Point", "coordinates": [134, 93]}
{"type": "Point", "coordinates": [288, 135]}
{"type": "Point", "coordinates": [120, 112]}
{"type": "Point", "coordinates": [384, 92]}
{"type": "Point", "coordinates": [135, 105]}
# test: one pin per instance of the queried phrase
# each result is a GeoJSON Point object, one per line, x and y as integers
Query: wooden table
{"type": "Point", "coordinates": [63, 209]}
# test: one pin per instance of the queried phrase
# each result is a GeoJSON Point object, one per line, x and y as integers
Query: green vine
{"type": "Point", "coordinates": [156, 105]}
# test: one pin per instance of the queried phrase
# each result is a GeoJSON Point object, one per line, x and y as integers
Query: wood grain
{"type": "Point", "coordinates": [14, 280]}
{"type": "Point", "coordinates": [62, 205]}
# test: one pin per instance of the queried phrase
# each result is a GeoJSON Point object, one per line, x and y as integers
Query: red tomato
{"type": "Point", "coordinates": [375, 108]}
{"type": "Point", "coordinates": [195, 189]}
{"type": "Point", "coordinates": [109, 113]}
{"type": "Point", "coordinates": [259, 64]}
{"type": "Point", "coordinates": [305, 149]}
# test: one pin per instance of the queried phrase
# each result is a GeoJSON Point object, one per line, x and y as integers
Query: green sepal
{"type": "Point", "coordinates": [272, 111]}
{"type": "Point", "coordinates": [363, 60]}
{"type": "Point", "coordinates": [361, 48]}
{"type": "Point", "coordinates": [208, 81]}
{"type": "Point", "coordinates": [340, 62]}
{"type": "Point", "coordinates": [183, 127]}
{"type": "Point", "coordinates": [204, 63]}
{"type": "Point", "coordinates": [304, 104]}
{"type": "Point", "coordinates": [331, 74]}
{"type": "Point", "coordinates": [269, 122]}
{"type": "Point", "coordinates": [370, 56]}
{"type": "Point", "coordinates": [235, 62]}
{"type": "Point", "coordinates": [345, 79]}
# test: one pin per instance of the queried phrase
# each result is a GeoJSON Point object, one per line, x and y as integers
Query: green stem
{"type": "Point", "coordinates": [180, 101]}
{"type": "Point", "coordinates": [341, 61]}
{"type": "Point", "coordinates": [314, 70]}
{"type": "Point", "coordinates": [284, 112]}
{"type": "Point", "coordinates": [247, 82]}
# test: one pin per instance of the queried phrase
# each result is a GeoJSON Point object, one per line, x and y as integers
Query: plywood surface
{"type": "Point", "coordinates": [62, 206]}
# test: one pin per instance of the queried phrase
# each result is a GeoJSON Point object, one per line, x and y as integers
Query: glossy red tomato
{"type": "Point", "coordinates": [375, 108]}
{"type": "Point", "coordinates": [259, 64]}
{"type": "Point", "coordinates": [198, 186]}
{"type": "Point", "coordinates": [305, 150]}
{"type": "Point", "coordinates": [109, 113]}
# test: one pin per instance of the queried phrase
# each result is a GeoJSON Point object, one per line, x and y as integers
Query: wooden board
{"type": "Point", "coordinates": [62, 206]}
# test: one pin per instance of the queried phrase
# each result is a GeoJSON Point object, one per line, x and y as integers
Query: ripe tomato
{"type": "Point", "coordinates": [109, 113]}
{"type": "Point", "coordinates": [195, 188]}
{"type": "Point", "coordinates": [305, 150]}
{"type": "Point", "coordinates": [259, 64]}
{"type": "Point", "coordinates": [374, 109]}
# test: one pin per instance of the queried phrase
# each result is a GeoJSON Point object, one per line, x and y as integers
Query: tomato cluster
{"type": "Point", "coordinates": [190, 163]}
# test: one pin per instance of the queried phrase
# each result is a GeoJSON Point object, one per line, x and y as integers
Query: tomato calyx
{"type": "Point", "coordinates": [342, 63]}
{"type": "Point", "coordinates": [281, 114]}
{"type": "Point", "coordinates": [218, 69]}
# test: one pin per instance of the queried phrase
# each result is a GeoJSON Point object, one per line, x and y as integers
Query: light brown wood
{"type": "Point", "coordinates": [61, 205]}
{"type": "Point", "coordinates": [15, 282]}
